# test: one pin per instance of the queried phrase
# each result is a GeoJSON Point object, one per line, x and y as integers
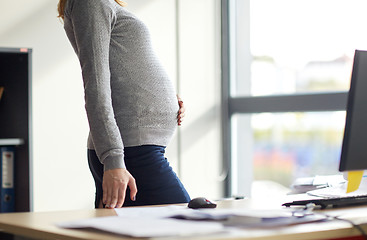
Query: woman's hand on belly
{"type": "Point", "coordinates": [181, 111]}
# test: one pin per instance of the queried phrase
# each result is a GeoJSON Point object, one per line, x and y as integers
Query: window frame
{"type": "Point", "coordinates": [231, 105]}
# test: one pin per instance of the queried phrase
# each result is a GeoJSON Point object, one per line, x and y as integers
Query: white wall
{"type": "Point", "coordinates": [61, 176]}
{"type": "Point", "coordinates": [200, 87]}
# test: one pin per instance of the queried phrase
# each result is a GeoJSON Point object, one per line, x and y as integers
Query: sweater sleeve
{"type": "Point", "coordinates": [92, 22]}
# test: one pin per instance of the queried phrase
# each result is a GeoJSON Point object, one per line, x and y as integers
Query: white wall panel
{"type": "Point", "coordinates": [200, 86]}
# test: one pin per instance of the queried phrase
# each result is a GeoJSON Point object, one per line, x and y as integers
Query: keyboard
{"type": "Point", "coordinates": [333, 202]}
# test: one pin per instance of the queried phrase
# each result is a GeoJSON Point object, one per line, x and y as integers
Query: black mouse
{"type": "Point", "coordinates": [201, 202]}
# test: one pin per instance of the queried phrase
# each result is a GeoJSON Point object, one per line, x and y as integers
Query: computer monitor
{"type": "Point", "coordinates": [354, 146]}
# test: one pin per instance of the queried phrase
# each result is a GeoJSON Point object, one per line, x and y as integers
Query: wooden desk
{"type": "Point", "coordinates": [40, 225]}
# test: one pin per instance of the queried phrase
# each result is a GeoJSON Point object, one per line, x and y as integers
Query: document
{"type": "Point", "coordinates": [152, 212]}
{"type": "Point", "coordinates": [303, 185]}
{"type": "Point", "coordinates": [341, 190]}
{"type": "Point", "coordinates": [246, 218]}
{"type": "Point", "coordinates": [174, 221]}
{"type": "Point", "coordinates": [147, 226]}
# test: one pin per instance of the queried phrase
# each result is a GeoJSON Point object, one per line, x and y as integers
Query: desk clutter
{"type": "Point", "coordinates": [174, 221]}
{"type": "Point", "coordinates": [202, 218]}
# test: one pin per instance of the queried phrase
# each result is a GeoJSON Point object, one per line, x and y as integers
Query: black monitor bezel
{"type": "Point", "coordinates": [344, 164]}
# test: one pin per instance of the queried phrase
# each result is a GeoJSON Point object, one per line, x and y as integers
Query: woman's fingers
{"type": "Point", "coordinates": [105, 192]}
{"type": "Point", "coordinates": [120, 197]}
{"type": "Point", "coordinates": [114, 185]}
{"type": "Point", "coordinates": [116, 194]}
{"type": "Point", "coordinates": [133, 189]}
{"type": "Point", "coordinates": [181, 111]}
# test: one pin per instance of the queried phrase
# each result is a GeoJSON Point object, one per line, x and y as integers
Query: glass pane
{"type": "Point", "coordinates": [285, 146]}
{"type": "Point", "coordinates": [300, 46]}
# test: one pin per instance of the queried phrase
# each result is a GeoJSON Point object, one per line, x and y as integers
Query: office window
{"type": "Point", "coordinates": [284, 146]}
{"type": "Point", "coordinates": [286, 86]}
{"type": "Point", "coordinates": [297, 46]}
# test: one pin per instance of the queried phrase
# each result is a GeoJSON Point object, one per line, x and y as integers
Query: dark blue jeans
{"type": "Point", "coordinates": [157, 183]}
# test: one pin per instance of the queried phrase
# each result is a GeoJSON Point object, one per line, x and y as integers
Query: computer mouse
{"type": "Point", "coordinates": [201, 202]}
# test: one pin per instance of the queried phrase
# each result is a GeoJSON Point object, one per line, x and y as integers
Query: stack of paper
{"type": "Point", "coordinates": [303, 185]}
{"type": "Point", "coordinates": [341, 190]}
{"type": "Point", "coordinates": [174, 221]}
{"type": "Point", "coordinates": [146, 227]}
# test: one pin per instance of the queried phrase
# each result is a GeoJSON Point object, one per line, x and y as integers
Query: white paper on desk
{"type": "Point", "coordinates": [146, 227]}
{"type": "Point", "coordinates": [151, 212]}
{"type": "Point", "coordinates": [168, 221]}
{"type": "Point", "coordinates": [228, 217]}
{"type": "Point", "coordinates": [181, 212]}
{"type": "Point", "coordinates": [197, 214]}
{"type": "Point", "coordinates": [252, 218]}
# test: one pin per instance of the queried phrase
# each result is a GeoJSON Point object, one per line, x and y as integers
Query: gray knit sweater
{"type": "Point", "coordinates": [129, 99]}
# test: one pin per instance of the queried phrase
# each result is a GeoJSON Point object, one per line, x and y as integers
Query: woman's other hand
{"type": "Point", "coordinates": [115, 183]}
{"type": "Point", "coordinates": [181, 111]}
